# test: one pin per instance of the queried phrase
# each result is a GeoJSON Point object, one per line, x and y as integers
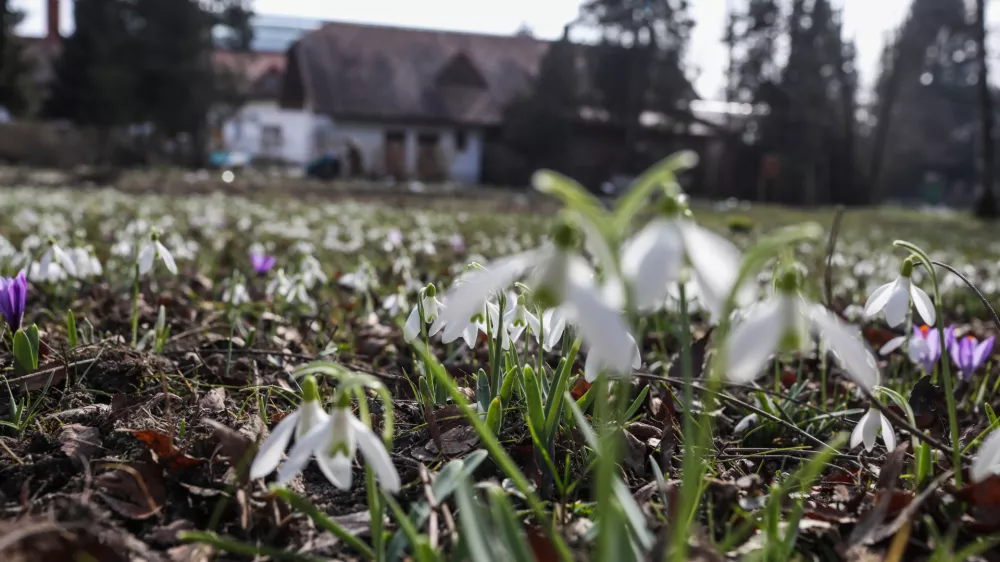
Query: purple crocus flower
{"type": "Point", "coordinates": [925, 347]}
{"type": "Point", "coordinates": [13, 294]}
{"type": "Point", "coordinates": [970, 354]}
{"type": "Point", "coordinates": [262, 263]}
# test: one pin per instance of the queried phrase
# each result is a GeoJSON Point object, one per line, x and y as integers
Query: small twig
{"type": "Point", "coordinates": [831, 245]}
{"type": "Point", "coordinates": [16, 458]}
{"type": "Point", "coordinates": [432, 504]}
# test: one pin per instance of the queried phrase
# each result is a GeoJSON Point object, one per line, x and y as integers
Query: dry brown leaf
{"type": "Point", "coordinates": [134, 490]}
{"type": "Point", "coordinates": [80, 442]}
{"type": "Point", "coordinates": [214, 400]}
{"type": "Point", "coordinates": [456, 441]}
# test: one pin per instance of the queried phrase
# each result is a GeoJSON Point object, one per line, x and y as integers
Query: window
{"type": "Point", "coordinates": [461, 141]}
{"type": "Point", "coordinates": [270, 140]}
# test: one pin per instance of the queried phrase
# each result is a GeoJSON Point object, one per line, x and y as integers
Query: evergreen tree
{"type": "Point", "coordinates": [15, 72]}
{"type": "Point", "coordinates": [927, 103]}
{"type": "Point", "coordinates": [94, 77]}
{"type": "Point", "coordinates": [639, 67]}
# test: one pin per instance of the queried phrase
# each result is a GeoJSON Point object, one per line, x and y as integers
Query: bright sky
{"type": "Point", "coordinates": [866, 21]}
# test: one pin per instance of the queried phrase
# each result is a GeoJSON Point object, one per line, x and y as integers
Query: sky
{"type": "Point", "coordinates": [866, 21]}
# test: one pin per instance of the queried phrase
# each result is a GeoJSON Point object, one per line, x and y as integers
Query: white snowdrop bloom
{"type": "Point", "coordinates": [53, 274]}
{"type": "Point", "coordinates": [558, 275]}
{"type": "Point", "coordinates": [307, 417]}
{"type": "Point", "coordinates": [334, 443]}
{"type": "Point", "coordinates": [432, 309]}
{"type": "Point", "coordinates": [153, 250]}
{"type": "Point", "coordinates": [653, 259]}
{"type": "Point", "coordinates": [311, 272]}
{"type": "Point", "coordinates": [595, 364]}
{"type": "Point", "coordinates": [55, 255]}
{"type": "Point", "coordinates": [987, 461]}
{"type": "Point", "coordinates": [553, 324]}
{"type": "Point", "coordinates": [279, 285]}
{"type": "Point", "coordinates": [894, 298]}
{"type": "Point", "coordinates": [869, 427]}
{"type": "Point", "coordinates": [783, 323]}
{"type": "Point", "coordinates": [87, 264]}
{"type": "Point", "coordinates": [236, 294]}
{"type": "Point", "coordinates": [518, 318]}
{"type": "Point", "coordinates": [395, 303]}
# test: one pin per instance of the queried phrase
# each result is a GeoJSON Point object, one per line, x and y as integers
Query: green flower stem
{"type": "Point", "coordinates": [949, 393]}
{"type": "Point", "coordinates": [135, 307]}
{"type": "Point", "coordinates": [691, 473]}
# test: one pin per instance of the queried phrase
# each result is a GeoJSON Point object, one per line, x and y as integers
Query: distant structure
{"type": "Point", "coordinates": [259, 128]}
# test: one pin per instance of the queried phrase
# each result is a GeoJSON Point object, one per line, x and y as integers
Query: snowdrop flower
{"type": "Point", "coordinates": [558, 274]}
{"type": "Point", "coordinates": [55, 255]}
{"type": "Point", "coordinates": [151, 251]}
{"type": "Point", "coordinates": [869, 427]}
{"type": "Point", "coordinates": [518, 318]}
{"type": "Point", "coordinates": [87, 264]}
{"type": "Point", "coordinates": [236, 294]}
{"type": "Point", "coordinates": [987, 461]}
{"type": "Point", "coordinates": [13, 297]}
{"type": "Point", "coordinates": [334, 443]}
{"type": "Point", "coordinates": [653, 259]}
{"type": "Point", "coordinates": [553, 324]}
{"type": "Point", "coordinates": [432, 307]}
{"type": "Point", "coordinates": [783, 323]}
{"type": "Point", "coordinates": [969, 354]}
{"type": "Point", "coordinates": [307, 417]}
{"type": "Point", "coordinates": [595, 364]}
{"type": "Point", "coordinates": [311, 272]}
{"type": "Point", "coordinates": [894, 298]}
{"type": "Point", "coordinates": [279, 285]}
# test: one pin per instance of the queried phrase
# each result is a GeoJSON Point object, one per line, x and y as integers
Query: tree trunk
{"type": "Point", "coordinates": [986, 207]}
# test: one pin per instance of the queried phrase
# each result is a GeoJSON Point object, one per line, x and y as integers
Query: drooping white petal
{"type": "Point", "coordinates": [271, 450]}
{"type": "Point", "coordinates": [516, 330]}
{"type": "Point", "coordinates": [756, 338]}
{"type": "Point", "coordinates": [878, 299]}
{"type": "Point", "coordinates": [602, 326]}
{"type": "Point", "coordinates": [857, 436]}
{"type": "Point", "coordinates": [554, 324]}
{"type": "Point", "coordinates": [466, 299]}
{"type": "Point", "coordinates": [653, 259]}
{"type": "Point", "coordinates": [591, 367]}
{"type": "Point", "coordinates": [336, 468]}
{"type": "Point", "coordinates": [716, 264]}
{"type": "Point", "coordinates": [869, 429]}
{"type": "Point", "coordinates": [887, 434]}
{"type": "Point", "coordinates": [532, 322]}
{"type": "Point", "coordinates": [45, 263]}
{"type": "Point", "coordinates": [899, 302]}
{"type": "Point", "coordinates": [436, 327]}
{"type": "Point", "coordinates": [845, 342]}
{"type": "Point", "coordinates": [917, 349]}
{"type": "Point", "coordinates": [987, 459]}
{"type": "Point", "coordinates": [312, 415]}
{"type": "Point", "coordinates": [167, 257]}
{"type": "Point", "coordinates": [146, 257]}
{"type": "Point", "coordinates": [892, 345]}
{"type": "Point", "coordinates": [470, 334]}
{"type": "Point", "coordinates": [303, 450]}
{"type": "Point", "coordinates": [373, 449]}
{"type": "Point", "coordinates": [922, 302]}
{"type": "Point", "coordinates": [411, 329]}
{"type": "Point", "coordinates": [64, 260]}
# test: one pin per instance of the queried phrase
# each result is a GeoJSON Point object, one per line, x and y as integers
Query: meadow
{"type": "Point", "coordinates": [164, 338]}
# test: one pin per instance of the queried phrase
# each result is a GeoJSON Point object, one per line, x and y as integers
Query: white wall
{"type": "Point", "coordinates": [370, 138]}
{"type": "Point", "coordinates": [244, 132]}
